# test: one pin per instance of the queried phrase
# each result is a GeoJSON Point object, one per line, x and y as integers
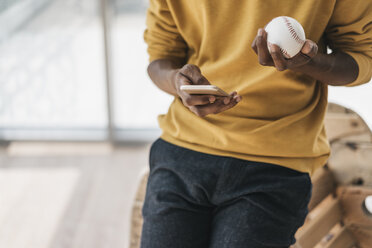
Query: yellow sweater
{"type": "Point", "coordinates": [280, 118]}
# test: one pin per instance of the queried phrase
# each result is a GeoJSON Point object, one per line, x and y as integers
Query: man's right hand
{"type": "Point", "coordinates": [201, 105]}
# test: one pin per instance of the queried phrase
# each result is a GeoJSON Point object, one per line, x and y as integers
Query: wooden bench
{"type": "Point", "coordinates": [337, 218]}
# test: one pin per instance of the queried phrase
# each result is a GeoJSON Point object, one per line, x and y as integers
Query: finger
{"type": "Point", "coordinates": [278, 58]}
{"type": "Point", "coordinates": [234, 93]}
{"type": "Point", "coordinates": [310, 48]}
{"type": "Point", "coordinates": [193, 73]}
{"type": "Point", "coordinates": [254, 45]}
{"type": "Point", "coordinates": [216, 107]}
{"type": "Point", "coordinates": [298, 60]}
{"type": "Point", "coordinates": [219, 107]}
{"type": "Point", "coordinates": [237, 98]}
{"type": "Point", "coordinates": [193, 100]}
{"type": "Point", "coordinates": [227, 99]}
{"type": "Point", "coordinates": [308, 51]}
{"type": "Point", "coordinates": [183, 80]}
{"type": "Point", "coordinates": [232, 104]}
{"type": "Point", "coordinates": [264, 57]}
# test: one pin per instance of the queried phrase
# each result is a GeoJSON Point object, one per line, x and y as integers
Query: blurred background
{"type": "Point", "coordinates": [77, 117]}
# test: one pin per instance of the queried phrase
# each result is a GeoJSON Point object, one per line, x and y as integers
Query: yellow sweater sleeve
{"type": "Point", "coordinates": [350, 30]}
{"type": "Point", "coordinates": [161, 35]}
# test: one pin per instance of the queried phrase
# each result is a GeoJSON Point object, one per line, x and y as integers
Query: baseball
{"type": "Point", "coordinates": [287, 33]}
{"type": "Point", "coordinates": [368, 203]}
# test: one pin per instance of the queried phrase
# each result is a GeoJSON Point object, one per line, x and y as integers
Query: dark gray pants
{"type": "Point", "coordinates": [199, 200]}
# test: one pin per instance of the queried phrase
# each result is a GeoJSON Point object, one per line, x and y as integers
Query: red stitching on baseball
{"type": "Point", "coordinates": [293, 31]}
{"type": "Point", "coordinates": [285, 52]}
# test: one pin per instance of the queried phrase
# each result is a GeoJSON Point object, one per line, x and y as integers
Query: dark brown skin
{"type": "Point", "coordinates": [337, 68]}
{"type": "Point", "coordinates": [169, 76]}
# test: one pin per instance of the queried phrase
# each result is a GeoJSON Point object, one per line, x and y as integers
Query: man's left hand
{"type": "Point", "coordinates": [274, 57]}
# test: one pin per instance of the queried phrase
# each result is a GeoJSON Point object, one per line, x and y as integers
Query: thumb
{"type": "Point", "coordinates": [310, 48]}
{"type": "Point", "coordinates": [193, 73]}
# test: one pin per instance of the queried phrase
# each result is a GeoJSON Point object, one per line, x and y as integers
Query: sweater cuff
{"type": "Point", "coordinates": [365, 68]}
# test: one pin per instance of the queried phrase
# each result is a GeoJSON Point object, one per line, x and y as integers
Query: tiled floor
{"type": "Point", "coordinates": [60, 195]}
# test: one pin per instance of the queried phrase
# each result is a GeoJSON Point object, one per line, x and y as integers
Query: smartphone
{"type": "Point", "coordinates": [203, 90]}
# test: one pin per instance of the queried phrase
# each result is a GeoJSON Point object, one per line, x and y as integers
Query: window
{"type": "Point", "coordinates": [51, 66]}
{"type": "Point", "coordinates": [137, 101]}
{"type": "Point", "coordinates": [54, 72]}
